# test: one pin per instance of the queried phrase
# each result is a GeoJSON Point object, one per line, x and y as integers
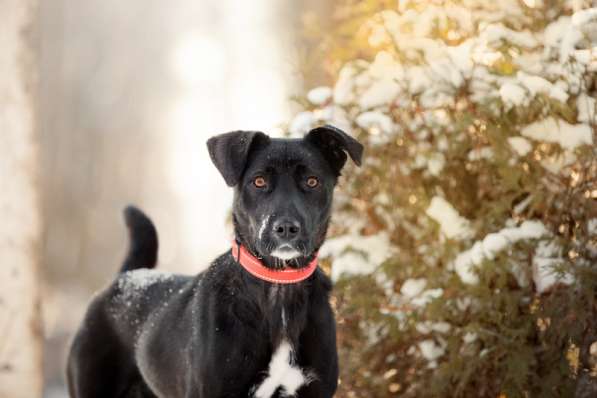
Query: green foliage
{"type": "Point", "coordinates": [503, 336]}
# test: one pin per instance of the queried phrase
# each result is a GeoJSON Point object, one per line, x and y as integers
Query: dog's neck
{"type": "Point", "coordinates": [282, 305]}
{"type": "Point", "coordinates": [286, 306]}
{"type": "Point", "coordinates": [255, 267]}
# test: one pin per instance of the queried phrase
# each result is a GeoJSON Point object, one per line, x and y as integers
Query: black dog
{"type": "Point", "coordinates": [257, 322]}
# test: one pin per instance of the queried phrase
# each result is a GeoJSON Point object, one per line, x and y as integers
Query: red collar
{"type": "Point", "coordinates": [254, 266]}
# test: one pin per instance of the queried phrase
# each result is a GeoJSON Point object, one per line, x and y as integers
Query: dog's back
{"type": "Point", "coordinates": [118, 315]}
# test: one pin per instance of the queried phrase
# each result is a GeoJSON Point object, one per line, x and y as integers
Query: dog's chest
{"type": "Point", "coordinates": [286, 307]}
{"type": "Point", "coordinates": [283, 373]}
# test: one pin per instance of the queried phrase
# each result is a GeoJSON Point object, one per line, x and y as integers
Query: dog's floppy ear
{"type": "Point", "coordinates": [335, 143]}
{"type": "Point", "coordinates": [229, 152]}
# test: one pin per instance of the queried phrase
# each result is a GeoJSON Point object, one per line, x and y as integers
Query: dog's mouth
{"type": "Point", "coordinates": [286, 252]}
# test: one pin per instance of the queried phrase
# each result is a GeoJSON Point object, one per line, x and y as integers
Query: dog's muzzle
{"type": "Point", "coordinates": [285, 252]}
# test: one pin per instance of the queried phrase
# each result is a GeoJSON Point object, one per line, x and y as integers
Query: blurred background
{"type": "Point", "coordinates": [463, 252]}
{"type": "Point", "coordinates": [129, 93]}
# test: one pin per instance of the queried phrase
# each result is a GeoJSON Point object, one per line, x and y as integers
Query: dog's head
{"type": "Point", "coordinates": [282, 188]}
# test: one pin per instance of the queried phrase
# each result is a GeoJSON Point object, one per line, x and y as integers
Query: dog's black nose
{"type": "Point", "coordinates": [286, 229]}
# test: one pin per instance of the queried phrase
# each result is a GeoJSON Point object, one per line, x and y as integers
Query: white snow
{"type": "Point", "coordinates": [494, 34]}
{"type": "Point", "coordinates": [351, 263]}
{"type": "Point", "coordinates": [555, 31]}
{"type": "Point", "coordinates": [344, 88]}
{"type": "Point", "coordinates": [334, 115]}
{"type": "Point", "coordinates": [587, 108]}
{"type": "Point", "coordinates": [587, 57]}
{"type": "Point", "coordinates": [282, 372]}
{"type": "Point", "coordinates": [427, 296]}
{"type": "Point", "coordinates": [487, 57]}
{"type": "Point", "coordinates": [428, 327]}
{"type": "Point", "coordinates": [520, 145]}
{"type": "Point", "coordinates": [538, 85]}
{"type": "Point", "coordinates": [592, 226]}
{"type": "Point", "coordinates": [368, 91]}
{"type": "Point", "coordinates": [140, 279]}
{"type": "Point", "coordinates": [469, 337]}
{"type": "Point", "coordinates": [383, 73]}
{"type": "Point", "coordinates": [461, 57]}
{"type": "Point", "coordinates": [413, 291]}
{"type": "Point", "coordinates": [436, 163]}
{"type": "Point", "coordinates": [375, 85]}
{"type": "Point", "coordinates": [513, 95]}
{"type": "Point", "coordinates": [522, 206]}
{"type": "Point", "coordinates": [413, 287]}
{"type": "Point", "coordinates": [419, 79]}
{"type": "Point", "coordinates": [547, 256]}
{"type": "Point", "coordinates": [444, 69]}
{"type": "Point", "coordinates": [485, 152]}
{"type": "Point", "coordinates": [375, 119]}
{"type": "Point", "coordinates": [430, 350]}
{"type": "Point", "coordinates": [569, 136]}
{"type": "Point", "coordinates": [568, 42]}
{"type": "Point", "coordinates": [583, 17]}
{"type": "Point", "coordinates": [493, 243]}
{"type": "Point", "coordinates": [355, 254]}
{"type": "Point", "coordinates": [452, 224]}
{"type": "Point", "coordinates": [582, 26]}
{"type": "Point", "coordinates": [319, 95]}
{"type": "Point", "coordinates": [302, 123]}
{"type": "Point", "coordinates": [382, 198]}
{"type": "Point", "coordinates": [439, 117]}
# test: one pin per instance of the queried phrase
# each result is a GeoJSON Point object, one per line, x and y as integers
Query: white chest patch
{"type": "Point", "coordinates": [282, 372]}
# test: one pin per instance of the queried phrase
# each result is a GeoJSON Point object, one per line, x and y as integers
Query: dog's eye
{"type": "Point", "coordinates": [259, 182]}
{"type": "Point", "coordinates": [312, 182]}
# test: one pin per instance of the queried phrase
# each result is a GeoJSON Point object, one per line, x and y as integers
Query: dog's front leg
{"type": "Point", "coordinates": [205, 383]}
{"type": "Point", "coordinates": [318, 353]}
{"type": "Point", "coordinates": [224, 363]}
{"type": "Point", "coordinates": [211, 380]}
{"type": "Point", "coordinates": [219, 382]}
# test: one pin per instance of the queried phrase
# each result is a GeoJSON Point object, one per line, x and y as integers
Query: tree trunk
{"type": "Point", "coordinates": [20, 332]}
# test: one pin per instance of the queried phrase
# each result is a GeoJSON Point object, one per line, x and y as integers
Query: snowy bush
{"type": "Point", "coordinates": [465, 248]}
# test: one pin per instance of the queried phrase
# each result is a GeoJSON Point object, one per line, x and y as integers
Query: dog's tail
{"type": "Point", "coordinates": [143, 240]}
